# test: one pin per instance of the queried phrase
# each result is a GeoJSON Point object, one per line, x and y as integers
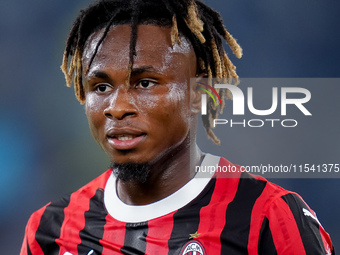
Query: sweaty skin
{"type": "Point", "coordinates": [150, 119]}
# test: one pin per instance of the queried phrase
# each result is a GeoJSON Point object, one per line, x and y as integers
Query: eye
{"type": "Point", "coordinates": [145, 84]}
{"type": "Point", "coordinates": [102, 88]}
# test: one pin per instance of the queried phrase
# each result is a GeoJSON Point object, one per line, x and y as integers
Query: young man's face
{"type": "Point", "coordinates": [148, 118]}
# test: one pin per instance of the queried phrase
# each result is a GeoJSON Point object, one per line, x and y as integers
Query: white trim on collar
{"type": "Point", "coordinates": [139, 213]}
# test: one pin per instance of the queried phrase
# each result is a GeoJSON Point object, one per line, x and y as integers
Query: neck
{"type": "Point", "coordinates": [167, 175]}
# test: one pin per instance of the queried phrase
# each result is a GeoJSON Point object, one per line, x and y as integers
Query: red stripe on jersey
{"type": "Point", "coordinates": [74, 220]}
{"type": "Point", "coordinates": [31, 229]}
{"type": "Point", "coordinates": [159, 235]}
{"type": "Point", "coordinates": [23, 250]}
{"type": "Point", "coordinates": [213, 216]}
{"type": "Point", "coordinates": [284, 229]}
{"type": "Point", "coordinates": [259, 212]}
{"type": "Point", "coordinates": [113, 238]}
{"type": "Point", "coordinates": [326, 239]}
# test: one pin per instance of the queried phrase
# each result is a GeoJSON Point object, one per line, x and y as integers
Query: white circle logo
{"type": "Point", "coordinates": [193, 248]}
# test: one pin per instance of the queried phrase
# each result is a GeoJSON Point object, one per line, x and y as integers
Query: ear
{"type": "Point", "coordinates": [196, 94]}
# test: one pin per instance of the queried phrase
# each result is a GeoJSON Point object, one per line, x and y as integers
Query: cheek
{"type": "Point", "coordinates": [170, 104]}
{"type": "Point", "coordinates": [92, 103]}
{"type": "Point", "coordinates": [146, 104]}
{"type": "Point", "coordinates": [173, 112]}
{"type": "Point", "coordinates": [93, 112]}
{"type": "Point", "coordinates": [179, 101]}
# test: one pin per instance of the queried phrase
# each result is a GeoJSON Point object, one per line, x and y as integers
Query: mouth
{"type": "Point", "coordinates": [125, 141]}
{"type": "Point", "coordinates": [124, 137]}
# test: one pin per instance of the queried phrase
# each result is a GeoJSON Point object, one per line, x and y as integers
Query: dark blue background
{"type": "Point", "coordinates": [46, 149]}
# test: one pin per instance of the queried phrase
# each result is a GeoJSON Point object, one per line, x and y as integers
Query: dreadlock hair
{"type": "Point", "coordinates": [193, 19]}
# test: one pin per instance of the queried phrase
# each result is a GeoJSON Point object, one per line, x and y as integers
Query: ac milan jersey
{"type": "Point", "coordinates": [244, 214]}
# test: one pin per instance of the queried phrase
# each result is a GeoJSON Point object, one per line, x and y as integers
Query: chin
{"type": "Point", "coordinates": [128, 158]}
{"type": "Point", "coordinates": [131, 172]}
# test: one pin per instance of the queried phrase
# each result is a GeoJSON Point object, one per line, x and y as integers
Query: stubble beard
{"type": "Point", "coordinates": [131, 172]}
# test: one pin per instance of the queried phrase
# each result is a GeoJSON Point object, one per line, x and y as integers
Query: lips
{"type": "Point", "coordinates": [125, 139]}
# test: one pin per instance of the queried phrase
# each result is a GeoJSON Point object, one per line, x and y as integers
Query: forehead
{"type": "Point", "coordinates": [153, 45]}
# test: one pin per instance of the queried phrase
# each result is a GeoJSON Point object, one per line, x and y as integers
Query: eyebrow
{"type": "Point", "coordinates": [134, 71]}
{"type": "Point", "coordinates": [143, 69]}
{"type": "Point", "coordinates": [99, 74]}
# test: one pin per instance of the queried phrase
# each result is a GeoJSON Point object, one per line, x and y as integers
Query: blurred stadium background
{"type": "Point", "coordinates": [46, 149]}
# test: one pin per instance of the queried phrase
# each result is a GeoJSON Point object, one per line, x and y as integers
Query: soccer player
{"type": "Point", "coordinates": [132, 62]}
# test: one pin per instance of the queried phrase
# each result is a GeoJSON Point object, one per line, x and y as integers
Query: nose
{"type": "Point", "coordinates": [121, 104]}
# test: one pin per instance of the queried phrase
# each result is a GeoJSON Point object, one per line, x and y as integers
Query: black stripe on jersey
{"type": "Point", "coordinates": [95, 220]}
{"type": "Point", "coordinates": [187, 219]}
{"type": "Point", "coordinates": [50, 226]}
{"type": "Point", "coordinates": [235, 234]}
{"type": "Point", "coordinates": [312, 243]}
{"type": "Point", "coordinates": [28, 250]}
{"type": "Point", "coordinates": [135, 238]}
{"type": "Point", "coordinates": [266, 242]}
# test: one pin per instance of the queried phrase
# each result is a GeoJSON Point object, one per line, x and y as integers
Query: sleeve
{"type": "Point", "coordinates": [291, 227]}
{"type": "Point", "coordinates": [30, 245]}
{"type": "Point", "coordinates": [24, 250]}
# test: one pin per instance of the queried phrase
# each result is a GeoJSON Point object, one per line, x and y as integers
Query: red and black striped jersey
{"type": "Point", "coordinates": [240, 214]}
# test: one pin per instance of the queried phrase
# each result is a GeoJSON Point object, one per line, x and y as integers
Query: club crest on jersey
{"type": "Point", "coordinates": [193, 247]}
{"type": "Point", "coordinates": [90, 253]}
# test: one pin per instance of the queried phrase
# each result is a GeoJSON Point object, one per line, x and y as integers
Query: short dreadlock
{"type": "Point", "coordinates": [193, 19]}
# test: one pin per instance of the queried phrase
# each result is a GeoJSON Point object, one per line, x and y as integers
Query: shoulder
{"type": "Point", "coordinates": [248, 186]}
{"type": "Point", "coordinates": [280, 220]}
{"type": "Point", "coordinates": [285, 223]}
{"type": "Point", "coordinates": [46, 223]}
{"type": "Point", "coordinates": [80, 197]}
{"type": "Point", "coordinates": [267, 195]}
